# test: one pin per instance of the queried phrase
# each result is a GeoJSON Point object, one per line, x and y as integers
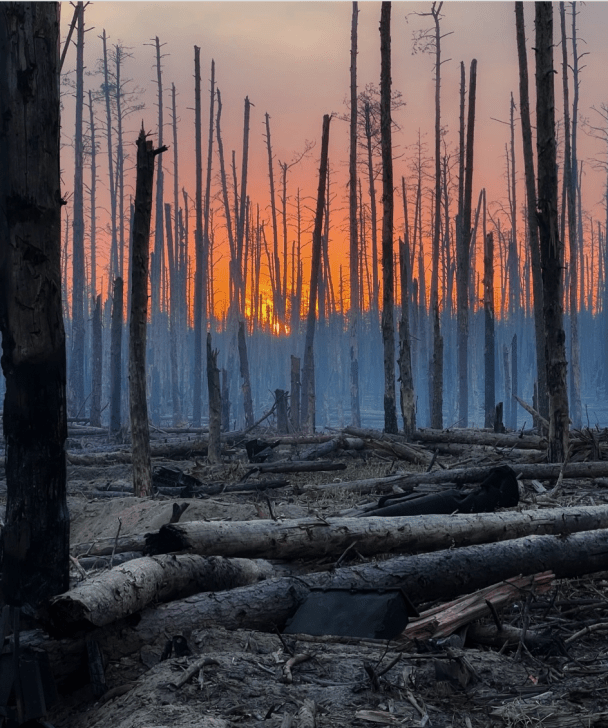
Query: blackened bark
{"type": "Point", "coordinates": [138, 406]}
{"type": "Point", "coordinates": [388, 323]}
{"type": "Point", "coordinates": [551, 247]}
{"type": "Point", "coordinates": [463, 260]}
{"type": "Point", "coordinates": [280, 398]}
{"type": "Point", "coordinates": [198, 236]}
{"type": "Point", "coordinates": [308, 380]}
{"type": "Point", "coordinates": [116, 357]}
{"type": "Point", "coordinates": [77, 339]}
{"type": "Point", "coordinates": [537, 282]}
{"type": "Point", "coordinates": [294, 395]}
{"type": "Point", "coordinates": [246, 385]}
{"type": "Point", "coordinates": [214, 452]}
{"type": "Point", "coordinates": [96, 375]}
{"type": "Point", "coordinates": [355, 412]}
{"type": "Point", "coordinates": [488, 305]}
{"type": "Point", "coordinates": [35, 538]}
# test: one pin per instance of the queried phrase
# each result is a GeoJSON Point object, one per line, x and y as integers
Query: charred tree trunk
{"type": "Point", "coordinates": [488, 305]}
{"type": "Point", "coordinates": [355, 412]}
{"type": "Point", "coordinates": [116, 357]}
{"type": "Point", "coordinates": [76, 387]}
{"type": "Point", "coordinates": [308, 377]}
{"type": "Point", "coordinates": [97, 352]}
{"type": "Point", "coordinates": [551, 247]}
{"type": "Point", "coordinates": [214, 451]}
{"type": "Point", "coordinates": [92, 198]}
{"type": "Point", "coordinates": [35, 539]}
{"type": "Point", "coordinates": [528, 155]}
{"type": "Point", "coordinates": [246, 386]}
{"type": "Point", "coordinates": [173, 308]}
{"type": "Point", "coordinates": [463, 261]}
{"type": "Point", "coordinates": [114, 267]}
{"type": "Point", "coordinates": [388, 325]}
{"type": "Point", "coordinates": [295, 395]}
{"type": "Point", "coordinates": [138, 406]}
{"type": "Point", "coordinates": [199, 301]}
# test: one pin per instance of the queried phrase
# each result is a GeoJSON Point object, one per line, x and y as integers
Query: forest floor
{"type": "Point", "coordinates": [244, 680]}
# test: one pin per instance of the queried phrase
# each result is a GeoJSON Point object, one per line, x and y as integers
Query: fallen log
{"type": "Point", "coordinates": [393, 444]}
{"type": "Point", "coordinates": [130, 587]}
{"type": "Point", "coordinates": [367, 485]}
{"type": "Point", "coordinates": [480, 437]}
{"type": "Point", "coordinates": [267, 605]}
{"type": "Point", "coordinates": [105, 546]}
{"type": "Point", "coordinates": [326, 448]}
{"type": "Point", "coordinates": [529, 471]}
{"type": "Point", "coordinates": [296, 466]}
{"type": "Point", "coordinates": [315, 538]}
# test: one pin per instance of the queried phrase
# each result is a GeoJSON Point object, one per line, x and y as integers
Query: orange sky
{"type": "Point", "coordinates": [292, 60]}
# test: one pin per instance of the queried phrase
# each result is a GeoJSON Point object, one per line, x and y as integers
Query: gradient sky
{"type": "Point", "coordinates": [292, 60]}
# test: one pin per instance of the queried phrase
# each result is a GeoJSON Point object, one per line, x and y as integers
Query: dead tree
{"type": "Point", "coordinates": [278, 301]}
{"type": "Point", "coordinates": [35, 538]}
{"type": "Point", "coordinates": [116, 357]}
{"type": "Point", "coordinates": [246, 386]}
{"type": "Point", "coordinates": [308, 374]}
{"type": "Point", "coordinates": [528, 155]}
{"type": "Point", "coordinates": [96, 375]}
{"type": "Point", "coordinates": [355, 413]}
{"type": "Point", "coordinates": [463, 260]}
{"type": "Point", "coordinates": [551, 247]}
{"type": "Point", "coordinates": [488, 305]}
{"type": "Point", "coordinates": [214, 452]}
{"type": "Point", "coordinates": [138, 406]}
{"type": "Point", "coordinates": [173, 310]}
{"type": "Point", "coordinates": [388, 324]}
{"type": "Point", "coordinates": [78, 335]}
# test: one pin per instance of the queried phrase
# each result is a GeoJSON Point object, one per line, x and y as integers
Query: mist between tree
{"type": "Point", "coordinates": [232, 240]}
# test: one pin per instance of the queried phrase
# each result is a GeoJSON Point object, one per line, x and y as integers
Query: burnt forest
{"type": "Point", "coordinates": [304, 316]}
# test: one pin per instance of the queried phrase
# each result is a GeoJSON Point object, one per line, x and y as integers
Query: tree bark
{"type": "Point", "coordinates": [308, 375]}
{"type": "Point", "coordinates": [129, 588]}
{"type": "Point", "coordinates": [116, 357]}
{"type": "Point", "coordinates": [294, 396]}
{"type": "Point", "coordinates": [355, 412]}
{"type": "Point", "coordinates": [314, 538]}
{"type": "Point", "coordinates": [138, 406]}
{"type": "Point", "coordinates": [488, 305]}
{"type": "Point", "coordinates": [97, 353]}
{"type": "Point", "coordinates": [551, 247]}
{"type": "Point", "coordinates": [215, 405]}
{"type": "Point", "coordinates": [246, 386]}
{"type": "Point", "coordinates": [388, 324]}
{"type": "Point", "coordinates": [35, 539]}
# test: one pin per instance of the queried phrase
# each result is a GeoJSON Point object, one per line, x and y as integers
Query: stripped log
{"type": "Point", "coordinates": [316, 538]}
{"type": "Point", "coordinates": [130, 587]}
{"type": "Point", "coordinates": [481, 437]}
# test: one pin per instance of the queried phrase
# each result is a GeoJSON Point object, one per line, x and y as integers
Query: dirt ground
{"type": "Point", "coordinates": [244, 677]}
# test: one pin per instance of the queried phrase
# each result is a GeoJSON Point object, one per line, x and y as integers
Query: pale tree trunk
{"type": "Point", "coordinates": [551, 247]}
{"type": "Point", "coordinates": [463, 260]}
{"type": "Point", "coordinates": [388, 325]}
{"type": "Point", "coordinates": [78, 336]}
{"type": "Point", "coordinates": [114, 267]}
{"type": "Point", "coordinates": [138, 406]}
{"type": "Point", "coordinates": [93, 191]}
{"type": "Point", "coordinates": [308, 375]}
{"type": "Point", "coordinates": [173, 306]}
{"type": "Point", "coordinates": [372, 206]}
{"type": "Point", "coordinates": [488, 305]}
{"type": "Point", "coordinates": [278, 312]}
{"type": "Point", "coordinates": [528, 156]}
{"type": "Point", "coordinates": [35, 537]}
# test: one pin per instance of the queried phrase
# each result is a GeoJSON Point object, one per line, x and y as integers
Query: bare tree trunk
{"type": "Point", "coordinates": [138, 406]}
{"type": "Point", "coordinates": [463, 261]}
{"type": "Point", "coordinates": [528, 155]}
{"type": "Point", "coordinates": [173, 307]}
{"type": "Point", "coordinates": [372, 205]}
{"type": "Point", "coordinates": [114, 267]}
{"type": "Point", "coordinates": [116, 357]}
{"type": "Point", "coordinates": [280, 398]}
{"type": "Point", "coordinates": [308, 381]}
{"type": "Point", "coordinates": [93, 190]}
{"type": "Point", "coordinates": [551, 247]}
{"type": "Point", "coordinates": [570, 187]}
{"type": "Point", "coordinates": [295, 393]}
{"type": "Point", "coordinates": [246, 386]}
{"type": "Point", "coordinates": [76, 387]}
{"type": "Point", "coordinates": [215, 405]}
{"type": "Point", "coordinates": [35, 538]}
{"type": "Point", "coordinates": [97, 352]}
{"type": "Point", "coordinates": [437, 363]}
{"type": "Point", "coordinates": [488, 305]}
{"type": "Point", "coordinates": [355, 412]}
{"type": "Point", "coordinates": [388, 325]}
{"type": "Point", "coordinates": [275, 235]}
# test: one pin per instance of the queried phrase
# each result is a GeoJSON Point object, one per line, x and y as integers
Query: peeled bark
{"type": "Point", "coordinates": [35, 539]}
{"type": "Point", "coordinates": [128, 588]}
